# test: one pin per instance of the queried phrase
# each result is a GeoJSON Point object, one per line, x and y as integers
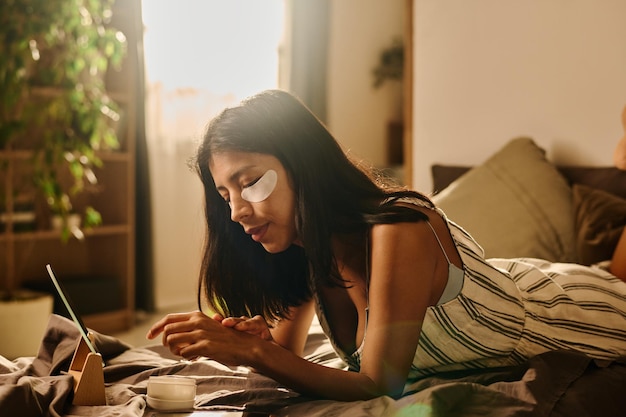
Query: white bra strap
{"type": "Point", "coordinates": [438, 241]}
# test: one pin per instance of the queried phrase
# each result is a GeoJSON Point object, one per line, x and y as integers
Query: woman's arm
{"type": "Point", "coordinates": [292, 333]}
{"type": "Point", "coordinates": [405, 261]}
{"type": "Point", "coordinates": [619, 155]}
{"type": "Point", "coordinates": [403, 264]}
{"type": "Point", "coordinates": [618, 262]}
{"type": "Point", "coordinates": [192, 335]}
{"type": "Point", "coordinates": [313, 379]}
{"type": "Point", "coordinates": [403, 274]}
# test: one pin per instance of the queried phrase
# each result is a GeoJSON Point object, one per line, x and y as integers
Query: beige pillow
{"type": "Point", "coordinates": [516, 204]}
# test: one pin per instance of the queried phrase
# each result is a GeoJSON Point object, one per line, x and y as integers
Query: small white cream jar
{"type": "Point", "coordinates": [171, 392]}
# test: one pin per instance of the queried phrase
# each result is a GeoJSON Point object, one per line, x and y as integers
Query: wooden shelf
{"type": "Point", "coordinates": [107, 252]}
{"type": "Point", "coordinates": [107, 230]}
{"type": "Point", "coordinates": [16, 155]}
{"type": "Point", "coordinates": [24, 155]}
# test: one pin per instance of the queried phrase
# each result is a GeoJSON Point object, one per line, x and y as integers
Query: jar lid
{"type": "Point", "coordinates": [171, 379]}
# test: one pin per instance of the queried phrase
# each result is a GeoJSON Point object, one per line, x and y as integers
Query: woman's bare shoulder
{"type": "Point", "coordinates": [410, 243]}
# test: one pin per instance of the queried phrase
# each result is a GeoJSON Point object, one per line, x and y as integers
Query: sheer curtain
{"type": "Point", "coordinates": [304, 63]}
{"type": "Point", "coordinates": [200, 56]}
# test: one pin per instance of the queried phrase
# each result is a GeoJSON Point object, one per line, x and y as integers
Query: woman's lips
{"type": "Point", "coordinates": [257, 232]}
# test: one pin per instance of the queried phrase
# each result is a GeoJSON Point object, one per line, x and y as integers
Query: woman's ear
{"type": "Point", "coordinates": [619, 156]}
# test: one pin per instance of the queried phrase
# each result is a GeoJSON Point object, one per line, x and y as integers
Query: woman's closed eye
{"type": "Point", "coordinates": [251, 183]}
{"type": "Point", "coordinates": [256, 190]}
{"type": "Point", "coordinates": [261, 188]}
{"type": "Point", "coordinates": [226, 198]}
{"type": "Point", "coordinates": [248, 185]}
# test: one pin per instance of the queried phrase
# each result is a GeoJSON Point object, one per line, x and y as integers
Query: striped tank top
{"type": "Point", "coordinates": [510, 310]}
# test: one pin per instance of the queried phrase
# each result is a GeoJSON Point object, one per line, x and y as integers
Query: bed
{"type": "Point", "coordinates": [567, 214]}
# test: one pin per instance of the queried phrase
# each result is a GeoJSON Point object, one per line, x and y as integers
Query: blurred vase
{"type": "Point", "coordinates": [23, 320]}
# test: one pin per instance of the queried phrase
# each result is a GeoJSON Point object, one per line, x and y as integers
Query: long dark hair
{"type": "Point", "coordinates": [333, 196]}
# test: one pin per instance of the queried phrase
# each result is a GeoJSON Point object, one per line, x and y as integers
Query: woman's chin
{"type": "Point", "coordinates": [274, 248]}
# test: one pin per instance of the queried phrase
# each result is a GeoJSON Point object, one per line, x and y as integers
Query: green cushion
{"type": "Point", "coordinates": [515, 204]}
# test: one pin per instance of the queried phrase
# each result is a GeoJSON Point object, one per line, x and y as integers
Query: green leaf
{"type": "Point", "coordinates": [66, 115]}
{"type": "Point", "coordinates": [92, 217]}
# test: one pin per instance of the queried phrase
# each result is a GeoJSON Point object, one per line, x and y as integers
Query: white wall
{"type": "Point", "coordinates": [178, 222]}
{"type": "Point", "coordinates": [489, 70]}
{"type": "Point", "coordinates": [358, 113]}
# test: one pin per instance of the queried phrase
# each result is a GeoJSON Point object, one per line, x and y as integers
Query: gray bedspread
{"type": "Point", "coordinates": [553, 384]}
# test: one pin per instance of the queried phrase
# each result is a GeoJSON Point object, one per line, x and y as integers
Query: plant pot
{"type": "Point", "coordinates": [72, 222]}
{"type": "Point", "coordinates": [23, 321]}
{"type": "Point", "coordinates": [67, 226]}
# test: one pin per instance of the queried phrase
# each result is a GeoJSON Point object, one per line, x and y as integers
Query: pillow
{"type": "Point", "coordinates": [609, 179]}
{"type": "Point", "coordinates": [599, 219]}
{"type": "Point", "coordinates": [516, 204]}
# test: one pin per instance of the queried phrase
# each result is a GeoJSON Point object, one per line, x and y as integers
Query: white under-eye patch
{"type": "Point", "coordinates": [261, 189]}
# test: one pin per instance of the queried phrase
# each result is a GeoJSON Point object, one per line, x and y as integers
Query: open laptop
{"type": "Point", "coordinates": [84, 333]}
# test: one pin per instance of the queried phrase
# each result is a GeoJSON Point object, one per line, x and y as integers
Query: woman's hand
{"type": "Point", "coordinates": [255, 325]}
{"type": "Point", "coordinates": [194, 334]}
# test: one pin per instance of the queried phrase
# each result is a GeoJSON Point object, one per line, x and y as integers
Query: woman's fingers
{"type": "Point", "coordinates": [255, 325]}
{"type": "Point", "coordinates": [219, 343]}
{"type": "Point", "coordinates": [158, 327]}
{"type": "Point", "coordinates": [182, 330]}
{"type": "Point", "coordinates": [226, 340]}
{"type": "Point", "coordinates": [240, 323]}
{"type": "Point", "coordinates": [232, 321]}
{"type": "Point", "coordinates": [195, 334]}
{"type": "Point", "coordinates": [171, 319]}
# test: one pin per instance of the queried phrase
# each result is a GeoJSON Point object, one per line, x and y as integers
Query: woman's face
{"type": "Point", "coordinates": [260, 196]}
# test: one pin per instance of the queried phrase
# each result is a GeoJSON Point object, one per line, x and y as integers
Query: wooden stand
{"type": "Point", "coordinates": [86, 368]}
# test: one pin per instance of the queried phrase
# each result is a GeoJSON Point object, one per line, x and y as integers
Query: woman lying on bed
{"type": "Point", "coordinates": [295, 228]}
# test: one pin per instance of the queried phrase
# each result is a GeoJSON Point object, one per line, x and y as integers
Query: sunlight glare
{"type": "Point", "coordinates": [222, 46]}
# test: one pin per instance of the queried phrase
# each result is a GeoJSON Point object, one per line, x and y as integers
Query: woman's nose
{"type": "Point", "coordinates": [239, 209]}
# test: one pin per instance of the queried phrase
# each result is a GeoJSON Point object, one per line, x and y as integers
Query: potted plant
{"type": "Point", "coordinates": [55, 117]}
{"type": "Point", "coordinates": [390, 64]}
{"type": "Point", "coordinates": [389, 69]}
{"type": "Point", "coordinates": [53, 98]}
